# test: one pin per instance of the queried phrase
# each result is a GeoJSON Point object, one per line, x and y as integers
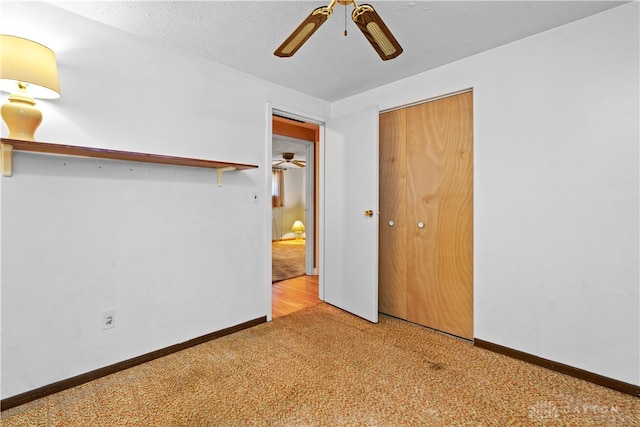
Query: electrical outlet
{"type": "Point", "coordinates": [108, 319]}
{"type": "Point", "coordinates": [254, 198]}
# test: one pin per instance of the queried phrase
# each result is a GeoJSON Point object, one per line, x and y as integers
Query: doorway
{"type": "Point", "coordinates": [348, 245]}
{"type": "Point", "coordinates": [294, 229]}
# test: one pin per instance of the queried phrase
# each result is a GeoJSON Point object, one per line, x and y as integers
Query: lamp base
{"type": "Point", "coordinates": [21, 116]}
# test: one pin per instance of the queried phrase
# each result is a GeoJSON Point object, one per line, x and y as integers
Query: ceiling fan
{"type": "Point", "coordinates": [289, 158]}
{"type": "Point", "coordinates": [365, 17]}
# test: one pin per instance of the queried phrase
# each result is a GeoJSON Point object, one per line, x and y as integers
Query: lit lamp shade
{"type": "Point", "coordinates": [298, 228]}
{"type": "Point", "coordinates": [27, 70]}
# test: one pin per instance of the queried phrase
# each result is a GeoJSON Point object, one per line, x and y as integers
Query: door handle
{"type": "Point", "coordinates": [421, 224]}
{"type": "Point", "coordinates": [392, 223]}
{"type": "Point", "coordinates": [368, 213]}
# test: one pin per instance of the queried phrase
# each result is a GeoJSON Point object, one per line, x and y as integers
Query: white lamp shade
{"type": "Point", "coordinates": [298, 227]}
{"type": "Point", "coordinates": [26, 61]}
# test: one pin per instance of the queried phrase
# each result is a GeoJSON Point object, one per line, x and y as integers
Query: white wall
{"type": "Point", "coordinates": [174, 255]}
{"type": "Point", "coordinates": [293, 209]}
{"type": "Point", "coordinates": [556, 187]}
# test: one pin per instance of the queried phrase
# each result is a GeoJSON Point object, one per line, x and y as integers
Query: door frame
{"type": "Point", "coordinates": [295, 114]}
{"type": "Point", "coordinates": [310, 208]}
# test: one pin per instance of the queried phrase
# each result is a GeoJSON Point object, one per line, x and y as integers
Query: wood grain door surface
{"type": "Point", "coordinates": [426, 190]}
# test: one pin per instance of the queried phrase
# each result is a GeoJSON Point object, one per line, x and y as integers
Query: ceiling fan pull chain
{"type": "Point", "coordinates": [345, 20]}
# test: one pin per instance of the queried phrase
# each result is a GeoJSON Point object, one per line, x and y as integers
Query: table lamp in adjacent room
{"type": "Point", "coordinates": [27, 70]}
{"type": "Point", "coordinates": [298, 229]}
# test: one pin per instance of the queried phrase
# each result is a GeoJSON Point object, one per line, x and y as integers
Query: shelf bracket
{"type": "Point", "coordinates": [221, 171]}
{"type": "Point", "coordinates": [7, 159]}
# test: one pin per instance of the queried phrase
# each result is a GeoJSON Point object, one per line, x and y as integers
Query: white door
{"type": "Point", "coordinates": [349, 270]}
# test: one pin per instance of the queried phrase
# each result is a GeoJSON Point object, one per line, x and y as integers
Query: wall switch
{"type": "Point", "coordinates": [109, 319]}
{"type": "Point", "coordinates": [254, 198]}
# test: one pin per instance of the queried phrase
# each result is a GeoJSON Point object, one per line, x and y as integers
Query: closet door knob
{"type": "Point", "coordinates": [421, 224]}
{"type": "Point", "coordinates": [391, 223]}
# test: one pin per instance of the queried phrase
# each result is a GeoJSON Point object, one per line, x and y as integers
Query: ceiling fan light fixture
{"type": "Point", "coordinates": [289, 159]}
{"type": "Point", "coordinates": [288, 156]}
{"type": "Point", "coordinates": [375, 30]}
{"type": "Point", "coordinates": [365, 17]}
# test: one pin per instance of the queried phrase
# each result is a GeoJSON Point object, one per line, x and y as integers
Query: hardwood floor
{"type": "Point", "coordinates": [294, 294]}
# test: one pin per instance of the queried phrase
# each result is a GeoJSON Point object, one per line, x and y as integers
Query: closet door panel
{"type": "Point", "coordinates": [392, 296]}
{"type": "Point", "coordinates": [453, 119]}
{"type": "Point", "coordinates": [428, 253]}
{"type": "Point", "coordinates": [422, 217]}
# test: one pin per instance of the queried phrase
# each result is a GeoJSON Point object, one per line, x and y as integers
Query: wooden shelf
{"type": "Point", "coordinates": [8, 145]}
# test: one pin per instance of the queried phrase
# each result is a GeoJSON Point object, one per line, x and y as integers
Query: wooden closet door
{"type": "Point", "coordinates": [392, 288]}
{"type": "Point", "coordinates": [423, 171]}
{"type": "Point", "coordinates": [440, 194]}
{"type": "Point", "coordinates": [426, 189]}
{"type": "Point", "coordinates": [455, 230]}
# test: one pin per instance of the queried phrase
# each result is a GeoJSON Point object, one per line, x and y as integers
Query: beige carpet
{"type": "Point", "coordinates": [288, 259]}
{"type": "Point", "coordinates": [324, 367]}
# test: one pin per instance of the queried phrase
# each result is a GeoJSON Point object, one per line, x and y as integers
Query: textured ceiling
{"type": "Point", "coordinates": [330, 66]}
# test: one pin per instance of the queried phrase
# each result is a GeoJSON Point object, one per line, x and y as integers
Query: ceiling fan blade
{"type": "Point", "coordinates": [278, 163]}
{"type": "Point", "coordinates": [298, 163]}
{"type": "Point", "coordinates": [301, 34]}
{"type": "Point", "coordinates": [375, 30]}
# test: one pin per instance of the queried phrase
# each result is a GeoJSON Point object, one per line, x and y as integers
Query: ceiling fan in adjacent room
{"type": "Point", "coordinates": [365, 17]}
{"type": "Point", "coordinates": [288, 158]}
